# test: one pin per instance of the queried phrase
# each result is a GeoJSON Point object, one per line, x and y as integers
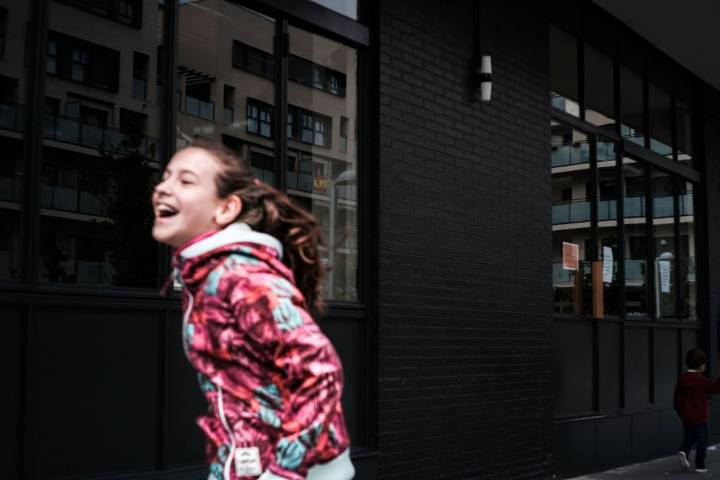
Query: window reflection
{"type": "Point", "coordinates": [687, 253]}
{"type": "Point", "coordinates": [684, 131]}
{"type": "Point", "coordinates": [665, 253]}
{"type": "Point", "coordinates": [609, 246]}
{"type": "Point", "coordinates": [660, 121]}
{"type": "Point", "coordinates": [571, 225]}
{"type": "Point", "coordinates": [636, 251]}
{"type": "Point", "coordinates": [322, 112]}
{"type": "Point", "coordinates": [12, 113]}
{"type": "Point", "coordinates": [632, 109]}
{"type": "Point", "coordinates": [322, 151]}
{"type": "Point", "coordinates": [599, 89]}
{"type": "Point", "coordinates": [564, 71]}
{"type": "Point", "coordinates": [100, 155]}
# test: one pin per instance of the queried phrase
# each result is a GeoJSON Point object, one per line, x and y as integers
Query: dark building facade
{"type": "Point", "coordinates": [513, 283]}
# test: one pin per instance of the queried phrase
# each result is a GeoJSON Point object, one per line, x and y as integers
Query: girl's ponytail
{"type": "Point", "coordinates": [299, 233]}
{"type": "Point", "coordinates": [267, 210]}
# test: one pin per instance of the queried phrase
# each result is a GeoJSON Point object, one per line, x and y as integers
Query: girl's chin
{"type": "Point", "coordinates": [162, 234]}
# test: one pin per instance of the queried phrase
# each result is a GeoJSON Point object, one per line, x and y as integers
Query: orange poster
{"type": "Point", "coordinates": [571, 254]}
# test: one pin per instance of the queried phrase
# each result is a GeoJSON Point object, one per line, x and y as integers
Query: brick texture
{"type": "Point", "coordinates": [465, 314]}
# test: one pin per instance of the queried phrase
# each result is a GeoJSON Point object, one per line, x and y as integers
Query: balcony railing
{"type": "Point", "coordinates": [81, 271]}
{"type": "Point", "coordinates": [199, 108]}
{"type": "Point", "coordinates": [11, 117]}
{"type": "Point", "coordinates": [71, 200]}
{"type": "Point", "coordinates": [575, 154]}
{"type": "Point", "coordinates": [73, 131]}
{"type": "Point", "coordinates": [11, 189]}
{"type": "Point", "coordinates": [579, 210]}
{"type": "Point", "coordinates": [9, 264]}
{"type": "Point", "coordinates": [106, 139]}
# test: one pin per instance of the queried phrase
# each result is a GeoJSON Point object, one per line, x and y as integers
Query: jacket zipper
{"type": "Point", "coordinates": [221, 409]}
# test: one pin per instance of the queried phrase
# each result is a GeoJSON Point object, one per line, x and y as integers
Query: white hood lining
{"type": "Point", "coordinates": [233, 233]}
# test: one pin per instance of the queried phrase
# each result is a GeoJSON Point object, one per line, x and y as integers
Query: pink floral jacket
{"type": "Point", "coordinates": [272, 379]}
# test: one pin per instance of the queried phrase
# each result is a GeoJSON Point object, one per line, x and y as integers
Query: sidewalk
{"type": "Point", "coordinates": [667, 467]}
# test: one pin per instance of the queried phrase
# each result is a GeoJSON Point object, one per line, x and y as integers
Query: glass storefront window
{"type": "Point", "coordinates": [632, 109]}
{"type": "Point", "coordinates": [599, 89]}
{"type": "Point", "coordinates": [636, 251]}
{"type": "Point", "coordinates": [100, 156]}
{"type": "Point", "coordinates": [687, 253]}
{"type": "Point", "coordinates": [665, 252]}
{"type": "Point", "coordinates": [683, 124]}
{"type": "Point", "coordinates": [322, 166]}
{"type": "Point", "coordinates": [571, 225]}
{"type": "Point", "coordinates": [660, 121]}
{"type": "Point", "coordinates": [564, 71]}
{"type": "Point", "coordinates": [608, 242]}
{"type": "Point", "coordinates": [12, 113]}
{"type": "Point", "coordinates": [321, 173]}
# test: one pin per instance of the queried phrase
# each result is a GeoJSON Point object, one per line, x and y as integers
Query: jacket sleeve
{"type": "Point", "coordinates": [309, 396]}
{"type": "Point", "coordinates": [712, 387]}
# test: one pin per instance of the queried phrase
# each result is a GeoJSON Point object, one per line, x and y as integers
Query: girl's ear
{"type": "Point", "coordinates": [228, 210]}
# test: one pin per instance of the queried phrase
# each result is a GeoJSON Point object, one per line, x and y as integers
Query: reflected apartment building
{"type": "Point", "coordinates": [101, 124]}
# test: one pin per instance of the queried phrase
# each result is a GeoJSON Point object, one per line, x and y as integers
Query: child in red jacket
{"type": "Point", "coordinates": [691, 400]}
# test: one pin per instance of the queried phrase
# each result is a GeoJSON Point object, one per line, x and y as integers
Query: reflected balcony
{"type": "Point", "coordinates": [9, 264]}
{"type": "Point", "coordinates": [11, 189]}
{"type": "Point", "coordinates": [579, 210]}
{"type": "Point", "coordinates": [11, 117]}
{"type": "Point", "coordinates": [575, 154]}
{"type": "Point", "coordinates": [199, 108]}
{"type": "Point", "coordinates": [104, 139]}
{"type": "Point", "coordinates": [73, 270]}
{"type": "Point", "coordinates": [70, 199]}
{"type": "Point", "coordinates": [571, 212]}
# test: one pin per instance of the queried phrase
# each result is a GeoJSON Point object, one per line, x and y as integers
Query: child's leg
{"type": "Point", "coordinates": [689, 438]}
{"type": "Point", "coordinates": [702, 440]}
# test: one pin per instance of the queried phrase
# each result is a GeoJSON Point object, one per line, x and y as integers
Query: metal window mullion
{"type": "Point", "coordinates": [581, 75]}
{"type": "Point", "coordinates": [281, 47]}
{"type": "Point", "coordinates": [168, 108]}
{"type": "Point", "coordinates": [33, 140]}
{"type": "Point", "coordinates": [168, 122]}
{"type": "Point", "coordinates": [646, 111]}
{"type": "Point", "coordinates": [617, 96]}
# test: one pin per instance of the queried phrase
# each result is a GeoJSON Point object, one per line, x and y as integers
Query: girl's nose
{"type": "Point", "coordinates": [162, 188]}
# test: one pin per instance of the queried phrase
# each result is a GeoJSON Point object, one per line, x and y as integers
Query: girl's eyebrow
{"type": "Point", "coordinates": [189, 172]}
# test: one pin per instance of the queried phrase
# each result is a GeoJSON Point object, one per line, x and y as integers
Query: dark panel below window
{"type": "Point", "coordinates": [95, 381]}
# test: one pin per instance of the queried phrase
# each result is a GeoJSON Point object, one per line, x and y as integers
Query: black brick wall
{"type": "Point", "coordinates": [465, 314]}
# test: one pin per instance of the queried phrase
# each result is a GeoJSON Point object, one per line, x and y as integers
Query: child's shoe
{"type": "Point", "coordinates": [701, 470]}
{"type": "Point", "coordinates": [683, 460]}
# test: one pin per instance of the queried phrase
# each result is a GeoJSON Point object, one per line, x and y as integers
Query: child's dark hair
{"type": "Point", "coordinates": [695, 358]}
{"type": "Point", "coordinates": [270, 211]}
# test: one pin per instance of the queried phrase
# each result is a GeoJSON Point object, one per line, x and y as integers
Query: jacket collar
{"type": "Point", "coordinates": [237, 232]}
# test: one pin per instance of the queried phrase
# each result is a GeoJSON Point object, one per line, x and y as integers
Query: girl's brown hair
{"type": "Point", "coordinates": [270, 211]}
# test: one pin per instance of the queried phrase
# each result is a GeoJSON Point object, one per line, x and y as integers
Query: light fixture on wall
{"type": "Point", "coordinates": [483, 78]}
{"type": "Point", "coordinates": [482, 63]}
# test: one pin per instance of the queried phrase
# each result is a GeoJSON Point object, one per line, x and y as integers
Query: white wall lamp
{"type": "Point", "coordinates": [482, 64]}
{"type": "Point", "coordinates": [483, 78]}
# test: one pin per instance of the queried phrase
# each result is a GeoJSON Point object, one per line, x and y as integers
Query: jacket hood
{"type": "Point", "coordinates": [193, 261]}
